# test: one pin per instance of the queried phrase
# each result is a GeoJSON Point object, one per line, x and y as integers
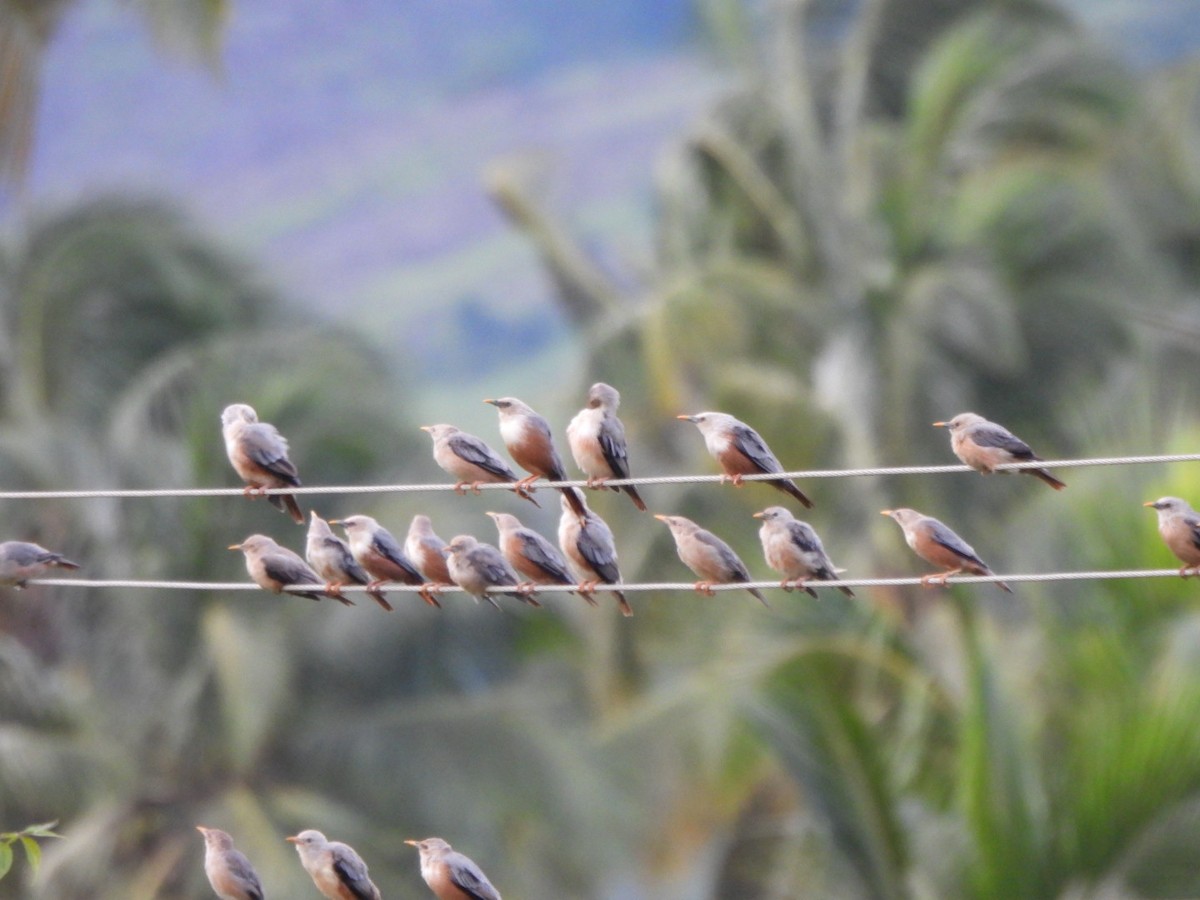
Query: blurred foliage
{"type": "Point", "coordinates": [28, 839]}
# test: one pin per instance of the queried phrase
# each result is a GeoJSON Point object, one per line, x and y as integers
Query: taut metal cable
{"type": "Point", "coordinates": [615, 482]}
{"type": "Point", "coordinates": [1110, 575]}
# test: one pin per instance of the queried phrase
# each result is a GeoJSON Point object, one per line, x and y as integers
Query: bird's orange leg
{"type": "Point", "coordinates": [428, 591]}
{"type": "Point", "coordinates": [526, 587]}
{"type": "Point", "coordinates": [460, 488]}
{"type": "Point", "coordinates": [525, 484]}
{"type": "Point", "coordinates": [705, 588]}
{"type": "Point", "coordinates": [333, 590]}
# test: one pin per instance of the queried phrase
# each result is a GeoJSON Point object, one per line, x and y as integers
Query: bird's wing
{"type": "Point", "coordinates": [469, 878]}
{"type": "Point", "coordinates": [268, 448]}
{"type": "Point", "coordinates": [473, 450]}
{"type": "Point", "coordinates": [389, 548]}
{"type": "Point", "coordinates": [747, 440]}
{"type": "Point", "coordinates": [942, 535]}
{"type": "Point", "coordinates": [804, 538]}
{"type": "Point", "coordinates": [492, 566]}
{"type": "Point", "coordinates": [731, 563]}
{"type": "Point", "coordinates": [596, 546]}
{"type": "Point", "coordinates": [346, 561]}
{"type": "Point", "coordinates": [352, 872]}
{"type": "Point", "coordinates": [239, 866]}
{"type": "Point", "coordinates": [993, 435]}
{"type": "Point", "coordinates": [1193, 522]}
{"type": "Point", "coordinates": [613, 446]}
{"type": "Point", "coordinates": [287, 569]}
{"type": "Point", "coordinates": [542, 554]}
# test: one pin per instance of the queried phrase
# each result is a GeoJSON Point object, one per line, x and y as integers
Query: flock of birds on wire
{"type": "Point", "coordinates": [586, 555]}
{"type": "Point", "coordinates": [585, 558]}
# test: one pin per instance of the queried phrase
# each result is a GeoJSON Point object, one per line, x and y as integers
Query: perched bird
{"type": "Point", "coordinates": [426, 551]}
{"type": "Point", "coordinates": [377, 551]}
{"type": "Point", "coordinates": [331, 558]}
{"type": "Point", "coordinates": [792, 549]}
{"type": "Point", "coordinates": [529, 553]}
{"type": "Point", "coordinates": [741, 451]}
{"type": "Point", "coordinates": [471, 461]}
{"type": "Point", "coordinates": [259, 455]}
{"type": "Point", "coordinates": [20, 561]}
{"type": "Point", "coordinates": [229, 872]}
{"type": "Point", "coordinates": [527, 438]}
{"type": "Point", "coordinates": [588, 543]}
{"type": "Point", "coordinates": [937, 544]}
{"type": "Point", "coordinates": [1179, 526]}
{"type": "Point", "coordinates": [713, 560]}
{"type": "Point", "coordinates": [450, 875]}
{"type": "Point", "coordinates": [597, 441]}
{"type": "Point", "coordinates": [475, 566]}
{"type": "Point", "coordinates": [338, 872]}
{"type": "Point", "coordinates": [983, 445]}
{"type": "Point", "coordinates": [273, 568]}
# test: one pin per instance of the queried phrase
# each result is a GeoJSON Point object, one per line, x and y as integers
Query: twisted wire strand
{"type": "Point", "coordinates": [615, 482]}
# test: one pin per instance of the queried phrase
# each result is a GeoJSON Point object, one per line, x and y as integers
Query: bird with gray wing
{"type": "Point", "coordinates": [589, 545]}
{"type": "Point", "coordinates": [475, 566]}
{"type": "Point", "coordinates": [1179, 526]}
{"type": "Point", "coordinates": [983, 445]}
{"type": "Point", "coordinates": [530, 554]}
{"type": "Point", "coordinates": [377, 551]}
{"type": "Point", "coordinates": [450, 874]}
{"type": "Point", "coordinates": [229, 872]}
{"type": "Point", "coordinates": [597, 441]}
{"type": "Point", "coordinates": [331, 558]}
{"type": "Point", "coordinates": [21, 561]}
{"type": "Point", "coordinates": [276, 569]}
{"type": "Point", "coordinates": [426, 550]}
{"type": "Point", "coordinates": [529, 441]}
{"type": "Point", "coordinates": [741, 451]}
{"type": "Point", "coordinates": [792, 549]}
{"type": "Point", "coordinates": [259, 454]}
{"type": "Point", "coordinates": [937, 544]}
{"type": "Point", "coordinates": [713, 560]}
{"type": "Point", "coordinates": [471, 461]}
{"type": "Point", "coordinates": [338, 872]}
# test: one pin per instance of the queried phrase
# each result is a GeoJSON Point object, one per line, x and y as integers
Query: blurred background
{"type": "Point", "coordinates": [838, 220]}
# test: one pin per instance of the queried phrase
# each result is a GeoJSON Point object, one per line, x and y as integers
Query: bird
{"type": "Point", "coordinates": [597, 441]}
{"type": "Point", "coordinates": [741, 451]}
{"type": "Point", "coordinates": [274, 567]}
{"type": "Point", "coordinates": [20, 561]}
{"type": "Point", "coordinates": [475, 566]}
{"type": "Point", "coordinates": [331, 558]}
{"type": "Point", "coordinates": [338, 872]}
{"type": "Point", "coordinates": [937, 544]}
{"type": "Point", "coordinates": [450, 874]}
{"type": "Point", "coordinates": [529, 553]}
{"type": "Point", "coordinates": [983, 445]}
{"type": "Point", "coordinates": [377, 551]}
{"type": "Point", "coordinates": [424, 550]}
{"type": "Point", "coordinates": [259, 454]}
{"type": "Point", "coordinates": [1179, 526]}
{"type": "Point", "coordinates": [792, 549]}
{"type": "Point", "coordinates": [529, 441]}
{"type": "Point", "coordinates": [713, 560]}
{"type": "Point", "coordinates": [471, 461]}
{"type": "Point", "coordinates": [588, 544]}
{"type": "Point", "coordinates": [229, 872]}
